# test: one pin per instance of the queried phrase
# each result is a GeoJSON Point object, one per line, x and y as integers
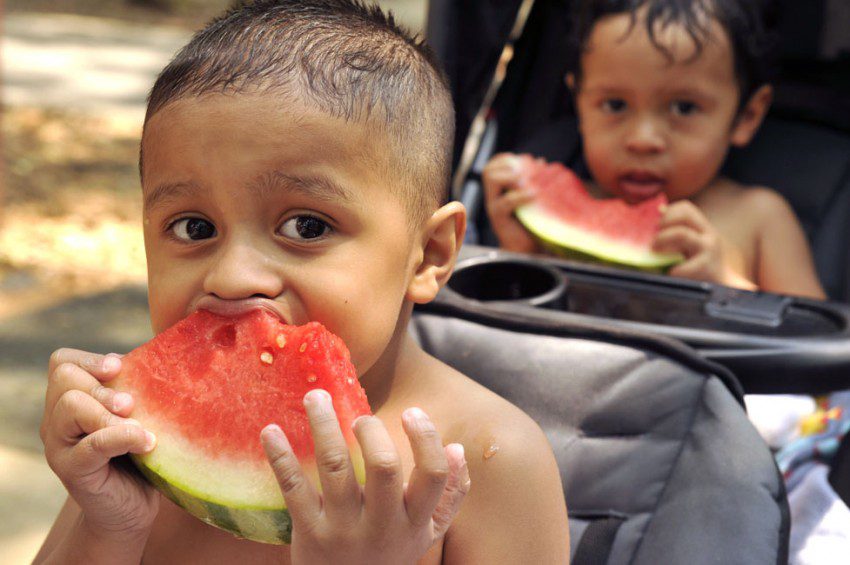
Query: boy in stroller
{"type": "Point", "coordinates": [663, 89]}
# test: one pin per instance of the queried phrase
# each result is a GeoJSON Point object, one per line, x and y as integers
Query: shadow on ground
{"type": "Point", "coordinates": [111, 321]}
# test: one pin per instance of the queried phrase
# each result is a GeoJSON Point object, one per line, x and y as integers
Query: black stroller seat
{"type": "Point", "coordinates": [658, 460]}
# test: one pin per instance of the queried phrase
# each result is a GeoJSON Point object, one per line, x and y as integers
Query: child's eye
{"type": "Point", "coordinates": [683, 108]}
{"type": "Point", "coordinates": [304, 227]}
{"type": "Point", "coordinates": [192, 229]}
{"type": "Point", "coordinates": [614, 105]}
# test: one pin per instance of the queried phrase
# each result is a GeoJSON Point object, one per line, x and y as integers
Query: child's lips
{"type": "Point", "coordinates": [236, 307]}
{"type": "Point", "coordinates": [639, 186]}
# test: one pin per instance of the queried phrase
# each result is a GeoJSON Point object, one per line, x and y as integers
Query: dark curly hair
{"type": "Point", "coordinates": [749, 24]}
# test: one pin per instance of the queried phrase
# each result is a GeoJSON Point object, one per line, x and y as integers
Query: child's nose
{"type": "Point", "coordinates": [646, 137]}
{"type": "Point", "coordinates": [242, 271]}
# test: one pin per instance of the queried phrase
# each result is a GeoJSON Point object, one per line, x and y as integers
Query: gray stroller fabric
{"type": "Point", "coordinates": [655, 447]}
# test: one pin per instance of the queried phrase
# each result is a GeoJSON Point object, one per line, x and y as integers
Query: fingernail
{"type": "Point", "coordinates": [111, 364]}
{"type": "Point", "coordinates": [515, 163]}
{"type": "Point", "coordinates": [358, 419]}
{"type": "Point", "coordinates": [456, 450]}
{"type": "Point", "coordinates": [318, 397]}
{"type": "Point", "coordinates": [150, 440]}
{"type": "Point", "coordinates": [415, 414]}
{"type": "Point", "coordinates": [121, 400]}
{"type": "Point", "coordinates": [272, 428]}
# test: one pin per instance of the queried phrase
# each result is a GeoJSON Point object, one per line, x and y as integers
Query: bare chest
{"type": "Point", "coordinates": [738, 238]}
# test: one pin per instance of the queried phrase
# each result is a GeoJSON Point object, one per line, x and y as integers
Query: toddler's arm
{"type": "Point", "coordinates": [84, 426]}
{"type": "Point", "coordinates": [785, 263]}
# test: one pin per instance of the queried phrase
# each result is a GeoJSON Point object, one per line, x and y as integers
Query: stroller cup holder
{"type": "Point", "coordinates": [773, 343]}
{"type": "Point", "coordinates": [510, 280]}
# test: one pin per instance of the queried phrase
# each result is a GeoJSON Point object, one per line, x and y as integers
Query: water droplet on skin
{"type": "Point", "coordinates": [492, 450]}
{"type": "Point", "coordinates": [281, 340]}
{"type": "Point", "coordinates": [303, 347]}
{"type": "Point", "coordinates": [266, 358]}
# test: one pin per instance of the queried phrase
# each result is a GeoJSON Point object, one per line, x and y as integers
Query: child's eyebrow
{"type": "Point", "coordinates": [169, 191]}
{"type": "Point", "coordinates": [313, 186]}
{"type": "Point", "coordinates": [319, 187]}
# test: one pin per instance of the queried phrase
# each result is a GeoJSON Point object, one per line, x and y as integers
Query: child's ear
{"type": "Point", "coordinates": [442, 237]}
{"type": "Point", "coordinates": [570, 81]}
{"type": "Point", "coordinates": [751, 116]}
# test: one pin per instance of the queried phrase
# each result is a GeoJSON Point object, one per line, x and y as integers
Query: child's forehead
{"type": "Point", "coordinates": [671, 39]}
{"type": "Point", "coordinates": [256, 147]}
{"type": "Point", "coordinates": [256, 122]}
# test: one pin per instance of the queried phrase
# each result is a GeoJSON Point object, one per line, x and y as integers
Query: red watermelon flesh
{"type": "Point", "coordinates": [566, 218]}
{"type": "Point", "coordinates": [208, 385]}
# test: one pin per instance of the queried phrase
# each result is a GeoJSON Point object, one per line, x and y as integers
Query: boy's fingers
{"type": "Point", "coordinates": [383, 490]}
{"type": "Point", "coordinates": [301, 497]}
{"type": "Point", "coordinates": [516, 198]}
{"type": "Point", "coordinates": [101, 367]}
{"type": "Point", "coordinates": [456, 489]}
{"type": "Point", "coordinates": [496, 181]}
{"type": "Point", "coordinates": [76, 414]}
{"type": "Point", "coordinates": [96, 449]}
{"type": "Point", "coordinates": [340, 491]}
{"type": "Point", "coordinates": [696, 268]}
{"type": "Point", "coordinates": [506, 204]}
{"type": "Point", "coordinates": [69, 376]}
{"type": "Point", "coordinates": [678, 239]}
{"type": "Point", "coordinates": [685, 213]}
{"type": "Point", "coordinates": [431, 469]}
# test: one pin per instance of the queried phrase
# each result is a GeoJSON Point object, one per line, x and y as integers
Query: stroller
{"type": "Point", "coordinates": [638, 379]}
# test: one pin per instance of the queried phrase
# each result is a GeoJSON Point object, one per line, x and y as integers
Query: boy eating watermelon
{"type": "Point", "coordinates": [663, 89]}
{"type": "Point", "coordinates": [295, 159]}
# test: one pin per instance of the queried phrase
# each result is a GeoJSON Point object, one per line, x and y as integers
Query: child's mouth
{"type": "Point", "coordinates": [639, 185]}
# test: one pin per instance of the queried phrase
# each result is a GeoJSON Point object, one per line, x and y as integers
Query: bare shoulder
{"type": "Point", "coordinates": [762, 201]}
{"type": "Point", "coordinates": [514, 474]}
{"type": "Point", "coordinates": [481, 419]}
{"type": "Point", "coordinates": [765, 200]}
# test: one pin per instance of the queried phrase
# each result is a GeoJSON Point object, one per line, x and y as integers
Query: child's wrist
{"type": "Point", "coordinates": [98, 545]}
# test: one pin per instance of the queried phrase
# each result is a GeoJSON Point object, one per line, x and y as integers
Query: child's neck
{"type": "Point", "coordinates": [394, 369]}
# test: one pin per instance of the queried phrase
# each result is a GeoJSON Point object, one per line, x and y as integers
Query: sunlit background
{"type": "Point", "coordinates": [75, 74]}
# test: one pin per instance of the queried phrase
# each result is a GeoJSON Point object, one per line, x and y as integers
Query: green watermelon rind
{"type": "Point", "coordinates": [266, 525]}
{"type": "Point", "coordinates": [565, 239]}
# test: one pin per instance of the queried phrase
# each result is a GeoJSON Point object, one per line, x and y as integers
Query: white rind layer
{"type": "Point", "coordinates": [221, 479]}
{"type": "Point", "coordinates": [238, 495]}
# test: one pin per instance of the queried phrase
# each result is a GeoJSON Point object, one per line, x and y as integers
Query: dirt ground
{"type": "Point", "coordinates": [72, 268]}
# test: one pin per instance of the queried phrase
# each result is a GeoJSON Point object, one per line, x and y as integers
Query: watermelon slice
{"type": "Point", "coordinates": [567, 220]}
{"type": "Point", "coordinates": [208, 385]}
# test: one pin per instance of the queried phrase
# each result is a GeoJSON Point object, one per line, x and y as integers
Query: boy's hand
{"type": "Point", "coordinates": [383, 522]}
{"type": "Point", "coordinates": [685, 229]}
{"type": "Point", "coordinates": [84, 426]}
{"type": "Point", "coordinates": [503, 194]}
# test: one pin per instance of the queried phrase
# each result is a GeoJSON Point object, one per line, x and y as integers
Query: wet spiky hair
{"type": "Point", "coordinates": [747, 22]}
{"type": "Point", "coordinates": [343, 57]}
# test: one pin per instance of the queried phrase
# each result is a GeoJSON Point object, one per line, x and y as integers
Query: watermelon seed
{"type": "Point", "coordinates": [311, 378]}
{"type": "Point", "coordinates": [281, 340]}
{"type": "Point", "coordinates": [266, 358]}
{"type": "Point", "coordinates": [303, 347]}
